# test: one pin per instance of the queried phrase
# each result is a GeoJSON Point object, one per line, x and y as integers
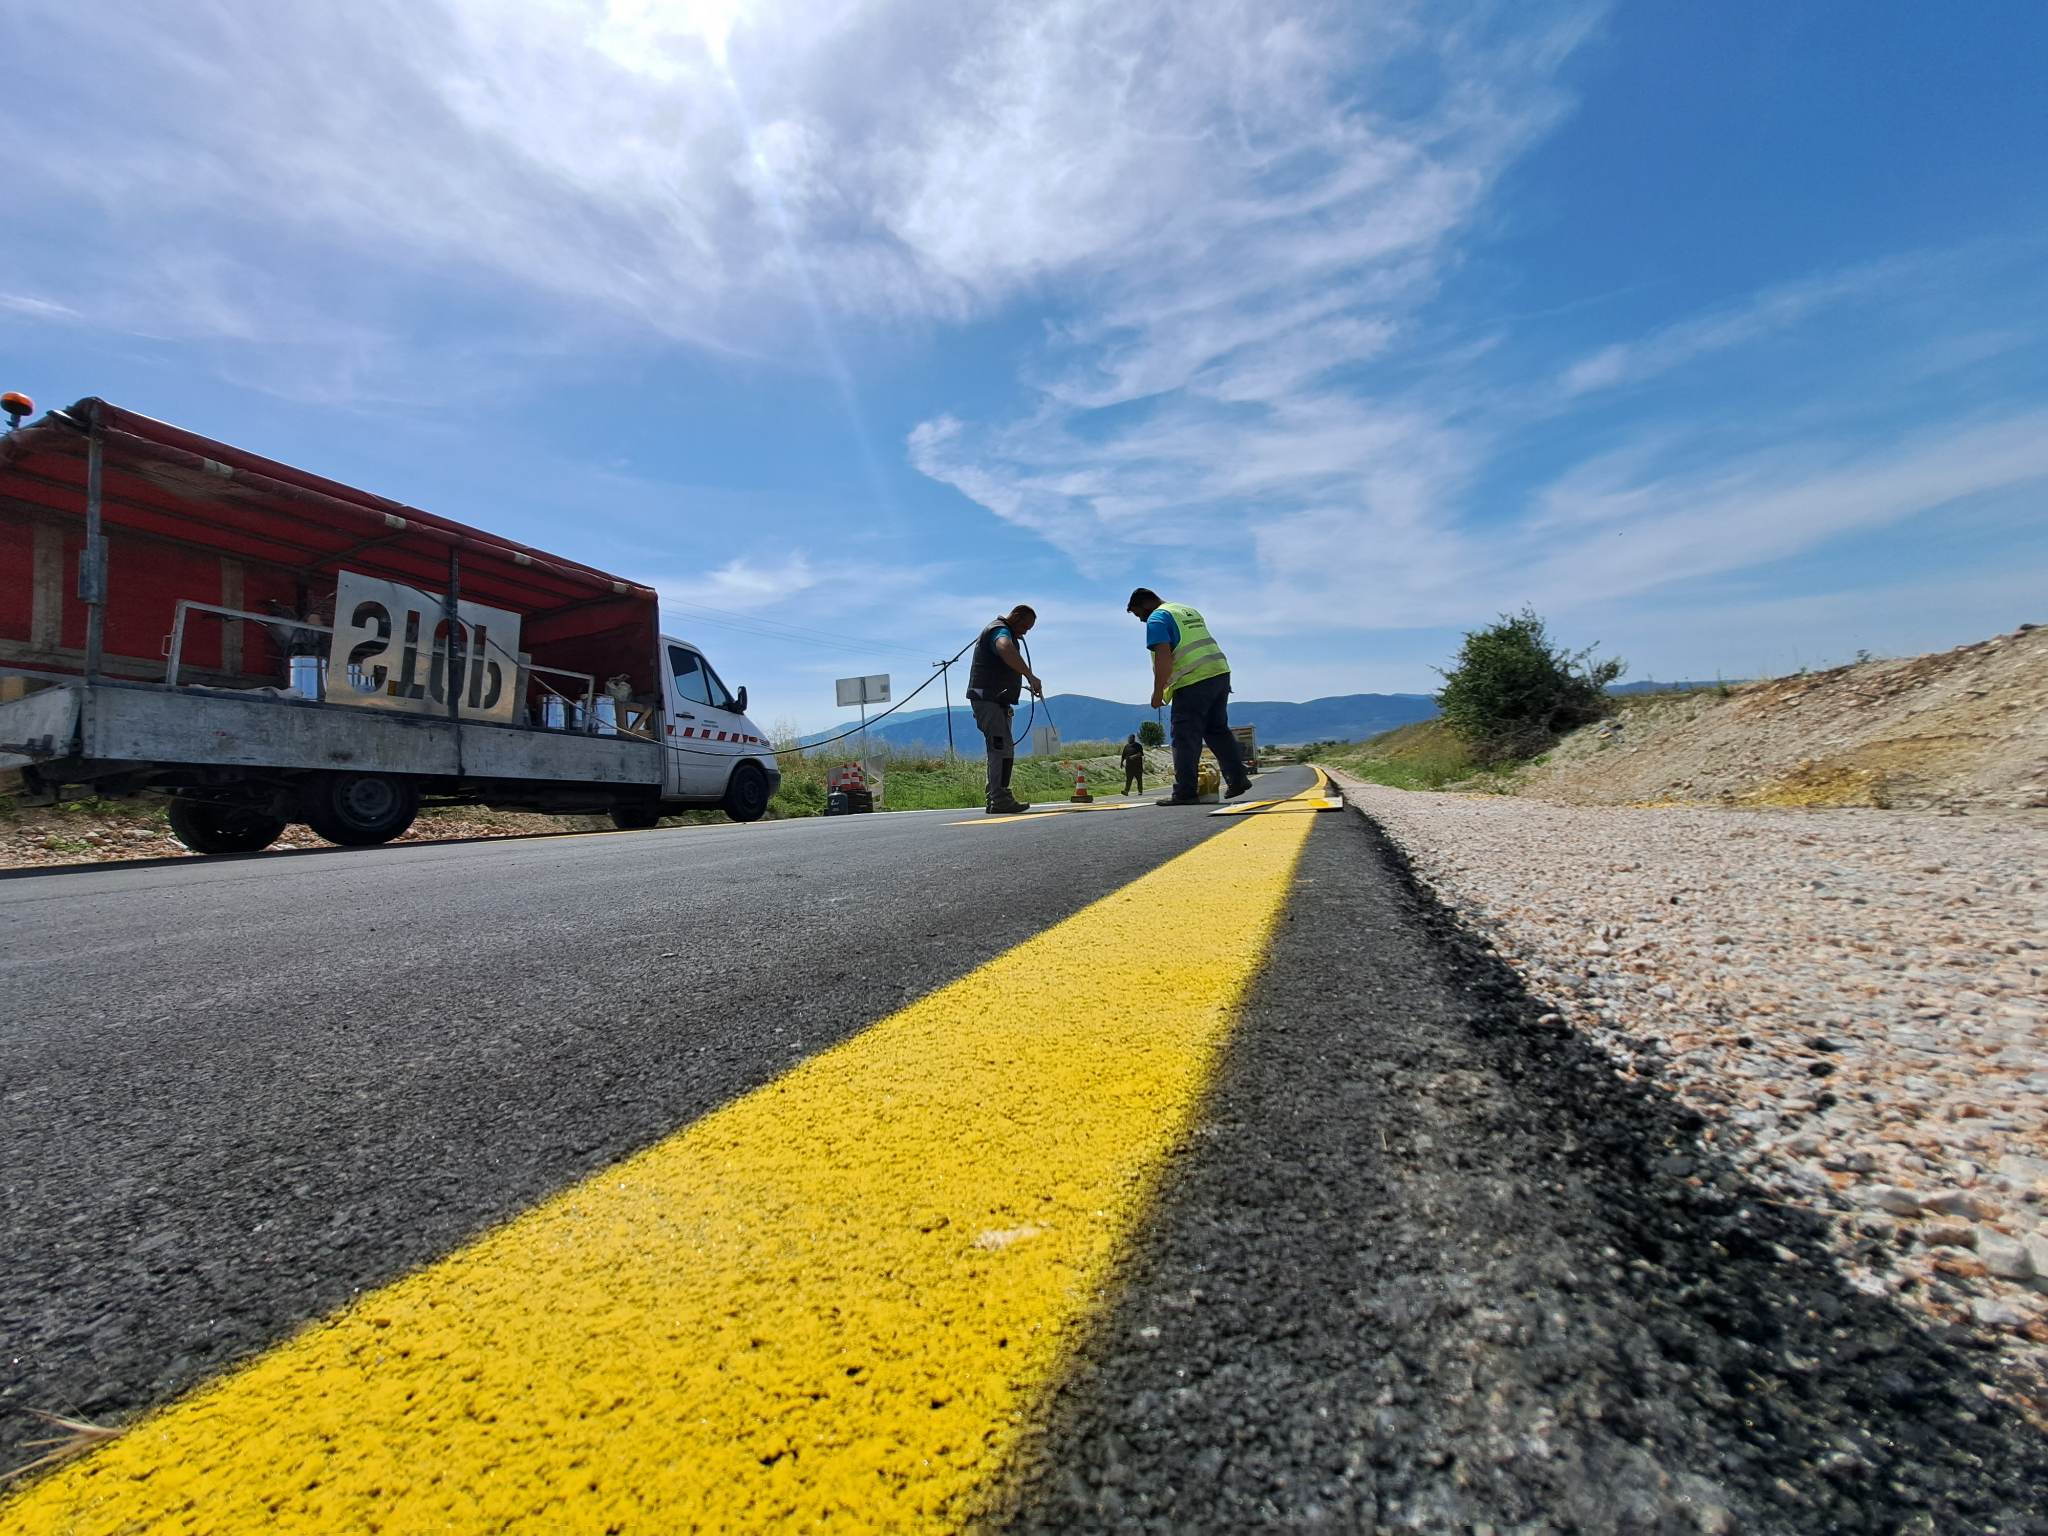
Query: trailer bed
{"type": "Point", "coordinates": [112, 722]}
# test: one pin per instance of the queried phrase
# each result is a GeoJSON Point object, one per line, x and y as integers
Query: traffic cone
{"type": "Point", "coordinates": [1081, 795]}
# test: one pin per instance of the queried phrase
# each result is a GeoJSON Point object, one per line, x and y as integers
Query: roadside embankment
{"type": "Point", "coordinates": [1856, 1002]}
{"type": "Point", "coordinates": [1962, 729]}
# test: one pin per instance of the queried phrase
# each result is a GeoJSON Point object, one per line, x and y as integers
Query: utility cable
{"type": "Point", "coordinates": [801, 746]}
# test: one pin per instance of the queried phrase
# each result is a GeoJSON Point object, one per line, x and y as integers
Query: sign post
{"type": "Point", "coordinates": [863, 691]}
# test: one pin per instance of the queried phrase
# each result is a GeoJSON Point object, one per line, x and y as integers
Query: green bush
{"type": "Point", "coordinates": [1512, 692]}
{"type": "Point", "coordinates": [1151, 734]}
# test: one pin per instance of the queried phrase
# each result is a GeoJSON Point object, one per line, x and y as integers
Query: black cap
{"type": "Point", "coordinates": [1140, 597]}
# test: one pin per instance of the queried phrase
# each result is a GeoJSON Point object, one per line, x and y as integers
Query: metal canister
{"type": "Point", "coordinates": [306, 674]}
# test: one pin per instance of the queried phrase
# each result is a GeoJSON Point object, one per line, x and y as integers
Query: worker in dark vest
{"type": "Point", "coordinates": [1134, 764]}
{"type": "Point", "coordinates": [1190, 672]}
{"type": "Point", "coordinates": [995, 681]}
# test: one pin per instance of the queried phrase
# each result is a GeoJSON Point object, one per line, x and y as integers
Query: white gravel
{"type": "Point", "coordinates": [1857, 1001]}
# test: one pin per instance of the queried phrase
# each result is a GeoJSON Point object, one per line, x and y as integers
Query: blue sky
{"type": "Point", "coordinates": [1715, 332]}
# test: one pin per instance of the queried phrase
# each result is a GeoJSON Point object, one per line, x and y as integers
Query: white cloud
{"type": "Point", "coordinates": [693, 166]}
{"type": "Point", "coordinates": [35, 308]}
{"type": "Point", "coordinates": [1773, 311]}
{"type": "Point", "coordinates": [746, 584]}
{"type": "Point", "coordinates": [1233, 216]}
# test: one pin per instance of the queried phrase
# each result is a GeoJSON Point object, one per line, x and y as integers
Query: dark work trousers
{"type": "Point", "coordinates": [1201, 717]}
{"type": "Point", "coordinates": [994, 720]}
{"type": "Point", "coordinates": [1134, 777]}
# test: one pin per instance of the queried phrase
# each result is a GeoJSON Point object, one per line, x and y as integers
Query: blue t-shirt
{"type": "Point", "coordinates": [1161, 630]}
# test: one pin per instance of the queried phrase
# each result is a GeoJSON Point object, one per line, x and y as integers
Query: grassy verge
{"type": "Point", "coordinates": [802, 791]}
{"type": "Point", "coordinates": [926, 783]}
{"type": "Point", "coordinates": [1425, 755]}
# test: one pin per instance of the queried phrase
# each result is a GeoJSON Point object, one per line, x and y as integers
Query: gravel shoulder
{"type": "Point", "coordinates": [1855, 1003]}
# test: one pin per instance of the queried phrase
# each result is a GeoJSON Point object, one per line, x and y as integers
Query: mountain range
{"type": "Point", "coordinates": [1346, 717]}
{"type": "Point", "coordinates": [1279, 722]}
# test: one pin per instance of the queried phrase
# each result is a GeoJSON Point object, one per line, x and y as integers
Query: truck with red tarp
{"type": "Point", "coordinates": [265, 646]}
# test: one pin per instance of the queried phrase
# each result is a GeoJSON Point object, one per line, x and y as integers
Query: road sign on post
{"type": "Point", "coordinates": [863, 690]}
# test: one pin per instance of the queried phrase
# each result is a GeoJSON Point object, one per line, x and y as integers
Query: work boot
{"type": "Point", "coordinates": [1242, 786]}
{"type": "Point", "coordinates": [1179, 800]}
{"type": "Point", "coordinates": [1007, 805]}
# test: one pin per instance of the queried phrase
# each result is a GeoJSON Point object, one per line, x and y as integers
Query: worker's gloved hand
{"type": "Point", "coordinates": [1037, 688]}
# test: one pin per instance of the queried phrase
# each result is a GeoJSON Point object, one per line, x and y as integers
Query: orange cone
{"type": "Point", "coordinates": [1081, 795]}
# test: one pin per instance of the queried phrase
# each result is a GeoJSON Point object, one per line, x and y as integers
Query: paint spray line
{"type": "Point", "coordinates": [1036, 815]}
{"type": "Point", "coordinates": [840, 1298]}
{"type": "Point", "coordinates": [1317, 797]}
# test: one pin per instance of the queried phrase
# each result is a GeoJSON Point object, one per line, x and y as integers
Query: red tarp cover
{"type": "Point", "coordinates": [173, 503]}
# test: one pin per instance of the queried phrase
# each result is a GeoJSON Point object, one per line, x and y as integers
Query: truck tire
{"type": "Point", "coordinates": [360, 810]}
{"type": "Point", "coordinates": [746, 793]}
{"type": "Point", "coordinates": [208, 828]}
{"type": "Point", "coordinates": [635, 818]}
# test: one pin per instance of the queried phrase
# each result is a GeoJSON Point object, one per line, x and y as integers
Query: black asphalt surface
{"type": "Point", "coordinates": [1426, 1265]}
{"type": "Point", "coordinates": [235, 1092]}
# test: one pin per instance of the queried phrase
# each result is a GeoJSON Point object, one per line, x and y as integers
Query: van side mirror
{"type": "Point", "coordinates": [740, 703]}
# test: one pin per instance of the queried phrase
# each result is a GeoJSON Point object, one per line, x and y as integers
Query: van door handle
{"type": "Point", "coordinates": [680, 715]}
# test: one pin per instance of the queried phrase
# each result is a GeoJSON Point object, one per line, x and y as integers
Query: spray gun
{"type": "Point", "coordinates": [16, 405]}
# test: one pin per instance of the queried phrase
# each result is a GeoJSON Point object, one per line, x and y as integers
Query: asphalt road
{"type": "Point", "coordinates": [238, 1092]}
{"type": "Point", "coordinates": [1421, 1264]}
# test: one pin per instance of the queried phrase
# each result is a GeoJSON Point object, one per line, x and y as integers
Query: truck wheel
{"type": "Point", "coordinates": [635, 818]}
{"type": "Point", "coordinates": [360, 810]}
{"type": "Point", "coordinates": [746, 794]}
{"type": "Point", "coordinates": [207, 828]}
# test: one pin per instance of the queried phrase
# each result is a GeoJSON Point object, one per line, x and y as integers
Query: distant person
{"type": "Point", "coordinates": [1190, 672]}
{"type": "Point", "coordinates": [995, 681]}
{"type": "Point", "coordinates": [1134, 765]}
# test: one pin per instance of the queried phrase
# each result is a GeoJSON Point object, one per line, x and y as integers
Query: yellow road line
{"type": "Point", "coordinates": [1295, 806]}
{"type": "Point", "coordinates": [838, 1299]}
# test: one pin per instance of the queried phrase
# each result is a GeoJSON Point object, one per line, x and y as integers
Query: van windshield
{"type": "Point", "coordinates": [720, 697]}
{"type": "Point", "coordinates": [690, 673]}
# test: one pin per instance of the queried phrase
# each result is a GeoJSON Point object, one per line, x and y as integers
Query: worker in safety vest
{"type": "Point", "coordinates": [1190, 672]}
{"type": "Point", "coordinates": [995, 681]}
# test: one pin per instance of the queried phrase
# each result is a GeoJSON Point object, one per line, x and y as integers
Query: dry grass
{"type": "Point", "coordinates": [1876, 773]}
{"type": "Point", "coordinates": [74, 1438]}
{"type": "Point", "coordinates": [1425, 755]}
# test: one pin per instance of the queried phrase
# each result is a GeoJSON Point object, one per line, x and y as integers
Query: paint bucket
{"type": "Point", "coordinates": [607, 715]}
{"type": "Point", "coordinates": [306, 674]}
{"type": "Point", "coordinates": [554, 712]}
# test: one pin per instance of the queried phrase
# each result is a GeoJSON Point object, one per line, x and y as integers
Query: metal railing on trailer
{"type": "Point", "coordinates": [578, 715]}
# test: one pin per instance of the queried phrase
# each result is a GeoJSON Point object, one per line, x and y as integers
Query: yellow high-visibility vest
{"type": "Point", "coordinates": [1198, 656]}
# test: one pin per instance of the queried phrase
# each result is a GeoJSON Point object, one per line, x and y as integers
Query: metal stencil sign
{"type": "Point", "coordinates": [862, 690]}
{"type": "Point", "coordinates": [391, 651]}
